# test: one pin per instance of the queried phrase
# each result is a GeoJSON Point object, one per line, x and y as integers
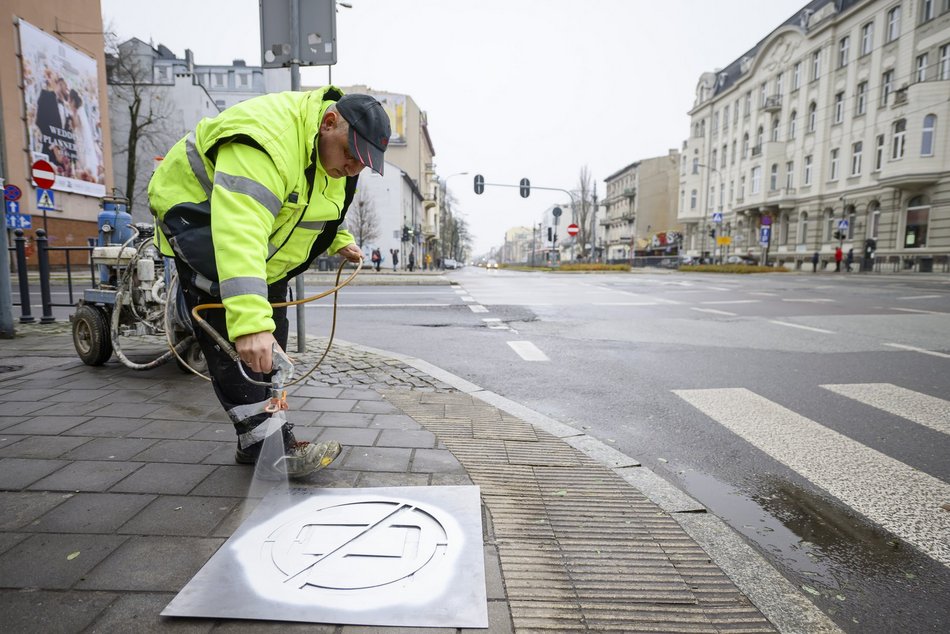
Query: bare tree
{"type": "Point", "coordinates": [362, 220]}
{"type": "Point", "coordinates": [460, 240]}
{"type": "Point", "coordinates": [141, 112]}
{"type": "Point", "coordinates": [583, 209]}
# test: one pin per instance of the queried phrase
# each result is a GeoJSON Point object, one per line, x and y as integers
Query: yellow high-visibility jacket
{"type": "Point", "coordinates": [252, 200]}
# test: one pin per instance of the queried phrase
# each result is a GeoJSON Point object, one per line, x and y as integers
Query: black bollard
{"type": "Point", "coordinates": [42, 256]}
{"type": "Point", "coordinates": [26, 316]}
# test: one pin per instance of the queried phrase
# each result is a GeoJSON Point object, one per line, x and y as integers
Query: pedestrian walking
{"type": "Point", "coordinates": [428, 261]}
{"type": "Point", "coordinates": [815, 257]}
{"type": "Point", "coordinates": [246, 201]}
{"type": "Point", "coordinates": [395, 254]}
{"type": "Point", "coordinates": [412, 260]}
{"type": "Point", "coordinates": [849, 260]}
{"type": "Point", "coordinates": [376, 258]}
{"type": "Point", "coordinates": [838, 257]}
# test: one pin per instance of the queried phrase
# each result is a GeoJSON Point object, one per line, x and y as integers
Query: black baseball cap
{"type": "Point", "coordinates": [369, 129]}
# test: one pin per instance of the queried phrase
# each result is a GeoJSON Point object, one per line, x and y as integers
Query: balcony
{"type": "Point", "coordinates": [773, 103]}
{"type": "Point", "coordinates": [756, 151]}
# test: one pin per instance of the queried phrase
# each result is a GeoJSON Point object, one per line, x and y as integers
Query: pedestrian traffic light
{"type": "Point", "coordinates": [479, 183]}
{"type": "Point", "coordinates": [525, 187]}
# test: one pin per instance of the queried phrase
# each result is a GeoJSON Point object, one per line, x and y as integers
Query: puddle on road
{"type": "Point", "coordinates": [862, 576]}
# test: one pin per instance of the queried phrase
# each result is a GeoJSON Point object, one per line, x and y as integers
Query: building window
{"type": "Point", "coordinates": [806, 176]}
{"type": "Point", "coordinates": [792, 123]}
{"type": "Point", "coordinates": [695, 166]}
{"type": "Point", "coordinates": [773, 177]}
{"type": "Point", "coordinates": [797, 76]}
{"type": "Point", "coordinates": [715, 123]}
{"type": "Point", "coordinates": [243, 80]}
{"type": "Point", "coordinates": [844, 47]}
{"type": "Point", "coordinates": [741, 188]}
{"type": "Point", "coordinates": [745, 145]}
{"type": "Point", "coordinates": [747, 107]}
{"type": "Point", "coordinates": [867, 38]}
{"type": "Point", "coordinates": [816, 65]}
{"type": "Point", "coordinates": [857, 150]}
{"type": "Point", "coordinates": [839, 107]}
{"type": "Point", "coordinates": [879, 153]}
{"type": "Point", "coordinates": [829, 224]}
{"type": "Point", "coordinates": [735, 113]}
{"type": "Point", "coordinates": [887, 85]}
{"type": "Point", "coordinates": [692, 199]}
{"type": "Point", "coordinates": [852, 217]}
{"type": "Point", "coordinates": [921, 74]}
{"type": "Point", "coordinates": [917, 220]}
{"type": "Point", "coordinates": [763, 94]}
{"type": "Point", "coordinates": [756, 179]}
{"type": "Point", "coordinates": [775, 128]}
{"type": "Point", "coordinates": [833, 175]}
{"type": "Point", "coordinates": [926, 10]}
{"type": "Point", "coordinates": [874, 222]}
{"type": "Point", "coordinates": [812, 116]}
{"type": "Point", "coordinates": [779, 81]}
{"type": "Point", "coordinates": [898, 139]}
{"type": "Point", "coordinates": [861, 101]}
{"type": "Point", "coordinates": [783, 229]}
{"type": "Point", "coordinates": [927, 135]}
{"type": "Point", "coordinates": [759, 138]}
{"type": "Point", "coordinates": [893, 24]}
{"type": "Point", "coordinates": [733, 158]}
{"type": "Point", "coordinates": [725, 118]}
{"type": "Point", "coordinates": [803, 227]}
{"type": "Point", "coordinates": [790, 174]}
{"type": "Point", "coordinates": [945, 62]}
{"type": "Point", "coordinates": [722, 157]}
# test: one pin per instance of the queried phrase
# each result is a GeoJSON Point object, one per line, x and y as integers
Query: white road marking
{"type": "Point", "coordinates": [330, 305]}
{"type": "Point", "coordinates": [467, 298]}
{"type": "Point", "coordinates": [625, 303]}
{"type": "Point", "coordinates": [714, 311]}
{"type": "Point", "coordinates": [923, 409]}
{"type": "Point", "coordinates": [763, 293]}
{"type": "Point", "coordinates": [809, 301]}
{"type": "Point", "coordinates": [791, 325]}
{"type": "Point", "coordinates": [922, 297]}
{"type": "Point", "coordinates": [733, 301]}
{"type": "Point", "coordinates": [917, 310]}
{"type": "Point", "coordinates": [921, 350]}
{"type": "Point", "coordinates": [903, 500]}
{"type": "Point", "coordinates": [528, 351]}
{"type": "Point", "coordinates": [477, 308]}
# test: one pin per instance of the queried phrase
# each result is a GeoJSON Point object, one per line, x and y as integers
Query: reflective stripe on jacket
{"type": "Point", "coordinates": [273, 207]}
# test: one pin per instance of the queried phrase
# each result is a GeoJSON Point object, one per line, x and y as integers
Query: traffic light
{"type": "Point", "coordinates": [550, 234]}
{"type": "Point", "coordinates": [405, 234]}
{"type": "Point", "coordinates": [525, 187]}
{"type": "Point", "coordinates": [839, 235]}
{"type": "Point", "coordinates": [479, 183]}
{"type": "Point", "coordinates": [712, 232]}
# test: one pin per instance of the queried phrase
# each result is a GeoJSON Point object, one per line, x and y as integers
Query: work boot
{"type": "Point", "coordinates": [300, 459]}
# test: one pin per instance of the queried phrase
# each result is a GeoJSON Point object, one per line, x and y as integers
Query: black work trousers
{"type": "Point", "coordinates": [230, 386]}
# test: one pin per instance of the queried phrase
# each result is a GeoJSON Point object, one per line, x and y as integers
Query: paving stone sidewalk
{"type": "Point", "coordinates": [116, 486]}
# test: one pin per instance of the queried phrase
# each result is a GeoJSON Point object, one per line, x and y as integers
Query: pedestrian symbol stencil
{"type": "Point", "coordinates": [358, 545]}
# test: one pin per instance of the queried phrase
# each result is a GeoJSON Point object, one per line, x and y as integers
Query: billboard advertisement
{"type": "Point", "coordinates": [395, 106]}
{"type": "Point", "coordinates": [61, 95]}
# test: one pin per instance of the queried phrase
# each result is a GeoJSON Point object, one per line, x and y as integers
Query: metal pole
{"type": "Point", "coordinates": [299, 285]}
{"type": "Point", "coordinates": [593, 226]}
{"type": "Point", "coordinates": [26, 315]}
{"type": "Point", "coordinates": [42, 256]}
{"type": "Point", "coordinates": [7, 330]}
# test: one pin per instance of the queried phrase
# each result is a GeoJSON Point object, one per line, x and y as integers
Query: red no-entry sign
{"type": "Point", "coordinates": [572, 229]}
{"type": "Point", "coordinates": [43, 174]}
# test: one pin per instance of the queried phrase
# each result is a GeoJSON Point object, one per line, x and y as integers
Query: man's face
{"type": "Point", "coordinates": [334, 148]}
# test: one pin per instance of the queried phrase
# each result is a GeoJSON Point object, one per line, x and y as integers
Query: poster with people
{"type": "Point", "coordinates": [61, 93]}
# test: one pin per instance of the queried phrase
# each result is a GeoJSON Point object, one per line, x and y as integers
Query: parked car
{"type": "Point", "coordinates": [450, 264]}
{"type": "Point", "coordinates": [741, 259]}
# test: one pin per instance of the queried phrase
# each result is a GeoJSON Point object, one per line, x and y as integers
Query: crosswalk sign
{"type": "Point", "coordinates": [717, 216]}
{"type": "Point", "coordinates": [44, 199]}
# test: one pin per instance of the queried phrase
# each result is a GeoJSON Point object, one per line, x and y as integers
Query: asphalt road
{"type": "Point", "coordinates": [810, 412]}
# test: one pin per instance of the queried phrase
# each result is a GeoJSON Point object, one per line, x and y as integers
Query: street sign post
{"type": "Point", "coordinates": [45, 200]}
{"type": "Point", "coordinates": [43, 174]}
{"type": "Point", "coordinates": [572, 229]}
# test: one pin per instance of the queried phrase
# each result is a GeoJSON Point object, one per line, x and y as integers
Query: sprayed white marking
{"type": "Point", "coordinates": [808, 301]}
{"type": "Point", "coordinates": [467, 298]}
{"type": "Point", "coordinates": [764, 294]}
{"type": "Point", "coordinates": [923, 409]}
{"type": "Point", "coordinates": [714, 311]}
{"type": "Point", "coordinates": [917, 310]}
{"type": "Point", "coordinates": [900, 498]}
{"type": "Point", "coordinates": [733, 301]}
{"type": "Point", "coordinates": [791, 325]}
{"type": "Point", "coordinates": [528, 351]}
{"type": "Point", "coordinates": [477, 308]}
{"type": "Point", "coordinates": [625, 303]}
{"type": "Point", "coordinates": [922, 297]}
{"type": "Point", "coordinates": [921, 350]}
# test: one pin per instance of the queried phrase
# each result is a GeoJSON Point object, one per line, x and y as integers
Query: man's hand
{"type": "Point", "coordinates": [351, 252]}
{"type": "Point", "coordinates": [255, 350]}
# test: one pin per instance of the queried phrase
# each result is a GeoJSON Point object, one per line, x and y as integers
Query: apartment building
{"type": "Point", "coordinates": [832, 130]}
{"type": "Point", "coordinates": [641, 208]}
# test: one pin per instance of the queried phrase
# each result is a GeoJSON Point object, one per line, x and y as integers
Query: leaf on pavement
{"type": "Point", "coordinates": [72, 556]}
{"type": "Point", "coordinates": [811, 590]}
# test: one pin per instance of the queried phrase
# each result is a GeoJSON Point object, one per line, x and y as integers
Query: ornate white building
{"type": "Point", "coordinates": [833, 130]}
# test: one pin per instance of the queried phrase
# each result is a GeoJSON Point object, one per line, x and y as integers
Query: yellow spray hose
{"type": "Point", "coordinates": [229, 349]}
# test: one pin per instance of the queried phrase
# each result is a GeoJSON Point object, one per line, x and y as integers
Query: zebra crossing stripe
{"type": "Point", "coordinates": [902, 499]}
{"type": "Point", "coordinates": [923, 409]}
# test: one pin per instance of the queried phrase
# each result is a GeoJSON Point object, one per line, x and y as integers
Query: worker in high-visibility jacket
{"type": "Point", "coordinates": [244, 203]}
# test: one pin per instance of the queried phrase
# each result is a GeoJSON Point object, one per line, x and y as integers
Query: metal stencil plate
{"type": "Point", "coordinates": [401, 556]}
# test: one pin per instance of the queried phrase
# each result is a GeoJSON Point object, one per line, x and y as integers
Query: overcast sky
{"type": "Point", "coordinates": [513, 88]}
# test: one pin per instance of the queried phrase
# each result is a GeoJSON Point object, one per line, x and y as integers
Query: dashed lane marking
{"type": "Point", "coordinates": [528, 351]}
{"type": "Point", "coordinates": [816, 300]}
{"type": "Point", "coordinates": [791, 325]}
{"type": "Point", "coordinates": [920, 350]}
{"type": "Point", "coordinates": [732, 301]}
{"type": "Point", "coordinates": [922, 297]}
{"type": "Point", "coordinates": [477, 308]}
{"type": "Point", "coordinates": [714, 311]}
{"type": "Point", "coordinates": [917, 310]}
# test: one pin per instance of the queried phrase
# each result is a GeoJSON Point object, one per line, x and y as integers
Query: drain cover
{"type": "Point", "coordinates": [403, 556]}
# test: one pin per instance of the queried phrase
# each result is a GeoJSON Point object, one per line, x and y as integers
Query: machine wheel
{"type": "Point", "coordinates": [91, 335]}
{"type": "Point", "coordinates": [193, 357]}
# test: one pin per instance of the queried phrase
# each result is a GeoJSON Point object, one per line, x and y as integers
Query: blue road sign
{"type": "Point", "coordinates": [19, 221]}
{"type": "Point", "coordinates": [717, 216]}
{"type": "Point", "coordinates": [764, 233]}
{"type": "Point", "coordinates": [842, 225]}
{"type": "Point", "coordinates": [12, 192]}
{"type": "Point", "coordinates": [44, 199]}
{"type": "Point", "coordinates": [11, 207]}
